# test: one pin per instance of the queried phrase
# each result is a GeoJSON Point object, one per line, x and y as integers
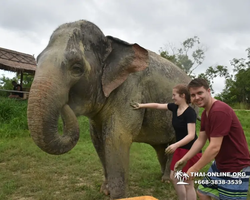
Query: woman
{"type": "Point", "coordinates": [183, 121]}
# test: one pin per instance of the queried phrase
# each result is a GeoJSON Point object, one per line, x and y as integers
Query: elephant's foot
{"type": "Point", "coordinates": [165, 178]}
{"type": "Point", "coordinates": [104, 188]}
{"type": "Point", "coordinates": [115, 193]}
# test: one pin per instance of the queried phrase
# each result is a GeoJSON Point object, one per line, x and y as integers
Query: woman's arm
{"type": "Point", "coordinates": [136, 105]}
{"type": "Point", "coordinates": [196, 147]}
{"type": "Point", "coordinates": [188, 138]}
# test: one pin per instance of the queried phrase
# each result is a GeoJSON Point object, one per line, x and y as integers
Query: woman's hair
{"type": "Point", "coordinates": [182, 89]}
{"type": "Point", "coordinates": [198, 82]}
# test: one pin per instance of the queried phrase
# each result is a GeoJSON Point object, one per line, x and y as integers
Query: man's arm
{"type": "Point", "coordinates": [209, 154]}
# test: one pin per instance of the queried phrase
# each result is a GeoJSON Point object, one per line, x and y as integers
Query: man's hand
{"type": "Point", "coordinates": [192, 169]}
{"type": "Point", "coordinates": [179, 165]}
{"type": "Point", "coordinates": [170, 149]}
{"type": "Point", "coordinates": [135, 105]}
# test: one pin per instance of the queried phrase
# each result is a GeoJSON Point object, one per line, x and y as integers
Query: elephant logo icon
{"type": "Point", "coordinates": [181, 176]}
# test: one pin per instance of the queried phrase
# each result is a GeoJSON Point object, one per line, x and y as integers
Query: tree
{"type": "Point", "coordinates": [188, 57]}
{"type": "Point", "coordinates": [213, 72]}
{"type": "Point", "coordinates": [237, 89]}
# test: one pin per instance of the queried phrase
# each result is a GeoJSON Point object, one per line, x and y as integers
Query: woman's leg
{"type": "Point", "coordinates": [180, 189]}
{"type": "Point", "coordinates": [190, 190]}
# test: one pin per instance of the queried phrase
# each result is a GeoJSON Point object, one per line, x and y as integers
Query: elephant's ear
{"type": "Point", "coordinates": [124, 59]}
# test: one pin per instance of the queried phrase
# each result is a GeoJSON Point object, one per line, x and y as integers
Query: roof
{"type": "Point", "coordinates": [16, 61]}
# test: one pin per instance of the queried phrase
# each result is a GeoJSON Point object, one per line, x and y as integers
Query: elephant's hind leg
{"type": "Point", "coordinates": [164, 160]}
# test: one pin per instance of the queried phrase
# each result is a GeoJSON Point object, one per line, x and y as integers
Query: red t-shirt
{"type": "Point", "coordinates": [222, 121]}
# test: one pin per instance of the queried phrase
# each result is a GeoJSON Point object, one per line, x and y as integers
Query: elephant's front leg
{"type": "Point", "coordinates": [98, 141]}
{"type": "Point", "coordinates": [117, 146]}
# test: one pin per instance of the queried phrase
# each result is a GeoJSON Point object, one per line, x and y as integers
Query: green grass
{"type": "Point", "coordinates": [28, 173]}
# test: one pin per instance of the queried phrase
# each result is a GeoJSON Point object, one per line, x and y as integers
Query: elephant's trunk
{"type": "Point", "coordinates": [47, 101]}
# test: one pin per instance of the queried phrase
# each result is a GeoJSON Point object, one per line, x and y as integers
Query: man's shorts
{"type": "Point", "coordinates": [225, 187]}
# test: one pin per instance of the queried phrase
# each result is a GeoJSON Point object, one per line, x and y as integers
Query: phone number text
{"type": "Point", "coordinates": [219, 182]}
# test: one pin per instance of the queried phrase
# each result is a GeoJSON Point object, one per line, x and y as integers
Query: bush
{"type": "Point", "coordinates": [13, 117]}
{"type": "Point", "coordinates": [243, 106]}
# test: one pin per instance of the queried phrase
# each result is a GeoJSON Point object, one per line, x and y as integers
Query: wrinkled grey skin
{"type": "Point", "coordinates": [82, 72]}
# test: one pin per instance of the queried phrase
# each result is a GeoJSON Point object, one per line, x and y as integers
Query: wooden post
{"type": "Point", "coordinates": [21, 83]}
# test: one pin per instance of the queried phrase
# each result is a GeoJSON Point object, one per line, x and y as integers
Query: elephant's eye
{"type": "Point", "coordinates": [77, 70]}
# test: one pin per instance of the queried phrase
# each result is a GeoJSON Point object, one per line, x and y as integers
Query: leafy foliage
{"type": "Point", "coordinates": [237, 83]}
{"type": "Point", "coordinates": [188, 57]}
{"type": "Point", "coordinates": [213, 72]}
{"type": "Point", "coordinates": [237, 89]}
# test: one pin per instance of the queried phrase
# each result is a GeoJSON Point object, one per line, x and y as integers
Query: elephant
{"type": "Point", "coordinates": [83, 72]}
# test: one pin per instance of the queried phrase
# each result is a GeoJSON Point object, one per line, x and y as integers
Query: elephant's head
{"type": "Point", "coordinates": [75, 74]}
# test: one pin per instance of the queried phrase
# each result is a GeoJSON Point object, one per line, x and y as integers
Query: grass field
{"type": "Point", "coordinates": [27, 173]}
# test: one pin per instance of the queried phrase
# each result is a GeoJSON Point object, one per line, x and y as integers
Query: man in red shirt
{"type": "Point", "coordinates": [227, 146]}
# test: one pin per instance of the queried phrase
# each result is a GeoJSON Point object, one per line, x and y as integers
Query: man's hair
{"type": "Point", "coordinates": [198, 82]}
{"type": "Point", "coordinates": [182, 89]}
{"type": "Point", "coordinates": [14, 82]}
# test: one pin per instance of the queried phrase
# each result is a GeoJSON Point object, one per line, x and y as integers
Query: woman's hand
{"type": "Point", "coordinates": [171, 149]}
{"type": "Point", "coordinates": [135, 105]}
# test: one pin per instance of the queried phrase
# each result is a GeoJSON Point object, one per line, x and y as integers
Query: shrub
{"type": "Point", "coordinates": [13, 117]}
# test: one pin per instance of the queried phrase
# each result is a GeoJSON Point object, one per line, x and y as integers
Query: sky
{"type": "Point", "coordinates": [223, 26]}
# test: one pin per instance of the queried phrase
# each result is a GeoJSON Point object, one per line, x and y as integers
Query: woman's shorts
{"type": "Point", "coordinates": [178, 154]}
